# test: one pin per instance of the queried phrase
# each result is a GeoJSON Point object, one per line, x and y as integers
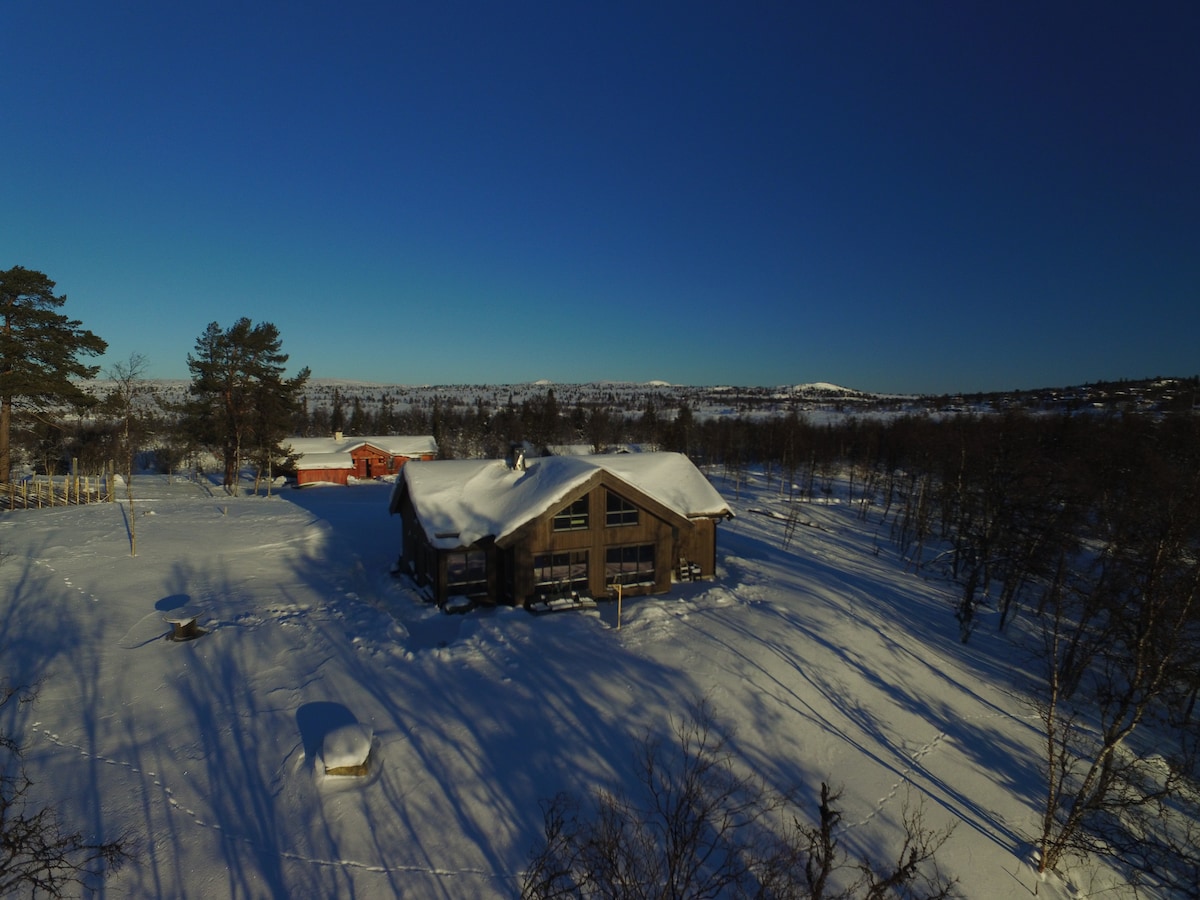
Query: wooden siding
{"type": "Point", "coordinates": [540, 537]}
{"type": "Point", "coordinates": [510, 567]}
{"type": "Point", "coordinates": [322, 476]}
{"type": "Point", "coordinates": [368, 462]}
{"type": "Point", "coordinates": [698, 545]}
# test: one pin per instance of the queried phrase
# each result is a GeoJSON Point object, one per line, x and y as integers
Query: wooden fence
{"type": "Point", "coordinates": [71, 490]}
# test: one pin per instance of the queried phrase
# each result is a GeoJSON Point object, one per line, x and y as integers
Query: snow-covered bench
{"type": "Point", "coordinates": [546, 603]}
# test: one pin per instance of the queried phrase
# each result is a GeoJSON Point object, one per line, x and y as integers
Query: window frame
{"type": "Point", "coordinates": [560, 571]}
{"type": "Point", "coordinates": [622, 513]}
{"type": "Point", "coordinates": [631, 566]}
{"type": "Point", "coordinates": [575, 516]}
{"type": "Point", "coordinates": [466, 573]}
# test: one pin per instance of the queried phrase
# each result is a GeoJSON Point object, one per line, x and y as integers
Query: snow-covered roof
{"type": "Point", "coordinates": [459, 502]}
{"type": "Point", "coordinates": [586, 449]}
{"type": "Point", "coordinates": [334, 452]}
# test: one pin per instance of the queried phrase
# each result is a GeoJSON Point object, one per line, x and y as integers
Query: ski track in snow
{"type": "Point", "coordinates": [286, 854]}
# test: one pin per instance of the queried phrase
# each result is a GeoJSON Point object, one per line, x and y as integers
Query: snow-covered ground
{"type": "Point", "coordinates": [828, 660]}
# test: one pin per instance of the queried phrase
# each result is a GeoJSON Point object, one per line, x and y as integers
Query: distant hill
{"type": "Point", "coordinates": [1149, 394]}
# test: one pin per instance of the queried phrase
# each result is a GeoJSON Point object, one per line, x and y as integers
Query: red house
{"type": "Point", "coordinates": [337, 459]}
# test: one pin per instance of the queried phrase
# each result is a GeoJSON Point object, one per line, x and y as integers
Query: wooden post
{"type": "Point", "coordinates": [132, 516]}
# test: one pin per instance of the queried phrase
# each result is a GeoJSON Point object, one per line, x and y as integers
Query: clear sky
{"type": "Point", "coordinates": [914, 197]}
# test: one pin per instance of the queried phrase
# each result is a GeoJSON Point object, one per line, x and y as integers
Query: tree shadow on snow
{"type": "Point", "coordinates": [859, 629]}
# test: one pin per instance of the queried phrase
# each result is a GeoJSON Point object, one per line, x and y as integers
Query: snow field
{"type": "Point", "coordinates": [827, 660]}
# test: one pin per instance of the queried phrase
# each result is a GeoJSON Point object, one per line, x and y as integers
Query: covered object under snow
{"type": "Point", "coordinates": [345, 750]}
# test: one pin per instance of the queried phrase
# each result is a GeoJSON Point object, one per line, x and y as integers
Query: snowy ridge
{"type": "Point", "coordinates": [822, 387]}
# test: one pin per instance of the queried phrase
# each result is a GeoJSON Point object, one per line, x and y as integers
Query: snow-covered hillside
{"type": "Point", "coordinates": [827, 659]}
{"type": "Point", "coordinates": [629, 397]}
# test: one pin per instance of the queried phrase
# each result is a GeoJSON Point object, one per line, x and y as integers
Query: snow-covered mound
{"type": "Point", "coordinates": [346, 748]}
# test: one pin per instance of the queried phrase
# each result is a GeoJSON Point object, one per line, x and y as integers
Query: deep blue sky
{"type": "Point", "coordinates": [915, 197]}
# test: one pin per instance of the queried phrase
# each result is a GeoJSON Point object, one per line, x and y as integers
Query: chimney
{"type": "Point", "coordinates": [516, 456]}
{"type": "Point", "coordinates": [337, 437]}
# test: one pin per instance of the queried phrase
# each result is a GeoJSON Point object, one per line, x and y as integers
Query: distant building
{"type": "Point", "coordinates": [520, 532]}
{"type": "Point", "coordinates": [337, 459]}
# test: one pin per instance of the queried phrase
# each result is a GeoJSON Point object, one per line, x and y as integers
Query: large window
{"type": "Point", "coordinates": [629, 565]}
{"type": "Point", "coordinates": [574, 517]}
{"type": "Point", "coordinates": [619, 511]}
{"type": "Point", "coordinates": [466, 573]}
{"type": "Point", "coordinates": [558, 573]}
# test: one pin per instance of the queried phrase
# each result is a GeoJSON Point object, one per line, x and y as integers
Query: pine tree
{"type": "Point", "coordinates": [239, 398]}
{"type": "Point", "coordinates": [40, 351]}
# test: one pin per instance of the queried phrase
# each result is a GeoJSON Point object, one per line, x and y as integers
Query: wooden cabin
{"type": "Point", "coordinates": [337, 459]}
{"type": "Point", "coordinates": [489, 531]}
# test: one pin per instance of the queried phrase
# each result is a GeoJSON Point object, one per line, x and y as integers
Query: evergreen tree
{"type": "Point", "coordinates": [337, 418]}
{"type": "Point", "coordinates": [385, 421]}
{"type": "Point", "coordinates": [649, 427]}
{"type": "Point", "coordinates": [40, 351]}
{"type": "Point", "coordinates": [239, 398]}
{"type": "Point", "coordinates": [359, 420]}
{"type": "Point", "coordinates": [681, 434]}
